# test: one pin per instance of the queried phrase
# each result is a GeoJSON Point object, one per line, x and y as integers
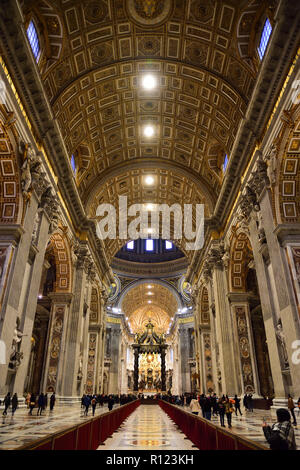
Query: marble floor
{"type": "Point", "coordinates": [249, 425]}
{"type": "Point", "coordinates": [148, 428]}
{"type": "Point", "coordinates": [20, 429]}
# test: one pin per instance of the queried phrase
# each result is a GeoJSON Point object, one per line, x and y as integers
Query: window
{"type": "Point", "coordinates": [168, 245]}
{"type": "Point", "coordinates": [264, 39]}
{"type": "Point", "coordinates": [225, 162]}
{"type": "Point", "coordinates": [73, 164]}
{"type": "Point", "coordinates": [130, 245]}
{"type": "Point", "coordinates": [33, 40]}
{"type": "Point", "coordinates": [149, 245]}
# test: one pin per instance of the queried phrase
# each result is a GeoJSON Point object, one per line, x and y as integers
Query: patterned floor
{"type": "Point", "coordinates": [22, 428]}
{"type": "Point", "coordinates": [249, 424]}
{"type": "Point", "coordinates": [148, 428]}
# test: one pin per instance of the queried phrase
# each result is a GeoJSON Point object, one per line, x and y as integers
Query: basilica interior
{"type": "Point", "coordinates": [165, 106]}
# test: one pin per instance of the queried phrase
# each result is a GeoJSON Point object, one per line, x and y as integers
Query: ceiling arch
{"type": "Point", "coordinates": [204, 85]}
{"type": "Point", "coordinates": [149, 300]}
{"type": "Point", "coordinates": [170, 187]}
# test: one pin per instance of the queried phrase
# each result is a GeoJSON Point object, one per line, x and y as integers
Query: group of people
{"type": "Point", "coordinates": [13, 401]}
{"type": "Point", "coordinates": [40, 401]}
{"type": "Point", "coordinates": [280, 435]}
{"type": "Point", "coordinates": [211, 405]}
{"type": "Point", "coordinates": [93, 400]}
{"type": "Point", "coordinates": [31, 400]}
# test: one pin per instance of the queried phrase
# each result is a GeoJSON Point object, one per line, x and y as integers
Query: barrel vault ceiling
{"type": "Point", "coordinates": [149, 301]}
{"type": "Point", "coordinates": [98, 52]}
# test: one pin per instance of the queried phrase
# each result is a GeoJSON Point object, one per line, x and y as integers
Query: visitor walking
{"type": "Point", "coordinates": [207, 408]}
{"type": "Point", "coordinates": [237, 405]}
{"type": "Point", "coordinates": [32, 403]}
{"type": "Point", "coordinates": [86, 404]}
{"type": "Point", "coordinates": [6, 402]}
{"type": "Point", "coordinates": [82, 400]}
{"type": "Point", "coordinates": [110, 403]}
{"type": "Point", "coordinates": [202, 401]}
{"type": "Point", "coordinates": [291, 407]}
{"type": "Point", "coordinates": [41, 403]}
{"type": "Point", "coordinates": [27, 399]}
{"type": "Point", "coordinates": [245, 402]}
{"type": "Point", "coordinates": [250, 403]}
{"type": "Point", "coordinates": [14, 403]}
{"type": "Point", "coordinates": [228, 411]}
{"type": "Point", "coordinates": [52, 401]}
{"type": "Point", "coordinates": [214, 403]}
{"type": "Point", "coordinates": [281, 435]}
{"type": "Point", "coordinates": [221, 409]}
{"type": "Point", "coordinates": [94, 404]}
{"type": "Point", "coordinates": [195, 406]}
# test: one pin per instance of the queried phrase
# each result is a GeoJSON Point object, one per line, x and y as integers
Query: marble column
{"type": "Point", "coordinates": [53, 368]}
{"type": "Point", "coordinates": [114, 370]}
{"type": "Point", "coordinates": [136, 370]}
{"type": "Point", "coordinates": [184, 359]}
{"type": "Point", "coordinates": [288, 311]}
{"type": "Point", "coordinates": [224, 327]}
{"type": "Point", "coordinates": [37, 255]}
{"type": "Point", "coordinates": [248, 373]}
{"type": "Point", "coordinates": [163, 370]}
{"type": "Point", "coordinates": [268, 308]}
{"type": "Point", "coordinates": [76, 322]}
{"type": "Point", "coordinates": [19, 241]}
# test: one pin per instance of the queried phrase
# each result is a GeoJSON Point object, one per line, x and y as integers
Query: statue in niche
{"type": "Point", "coordinates": [281, 338]}
{"type": "Point", "coordinates": [80, 364]}
{"type": "Point", "coordinates": [272, 158]}
{"type": "Point", "coordinates": [261, 230]}
{"type": "Point", "coordinates": [16, 356]}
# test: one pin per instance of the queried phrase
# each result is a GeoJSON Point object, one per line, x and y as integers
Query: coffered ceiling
{"type": "Point", "coordinates": [152, 301]}
{"type": "Point", "coordinates": [99, 51]}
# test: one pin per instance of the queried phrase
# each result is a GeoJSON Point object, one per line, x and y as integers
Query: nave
{"type": "Point", "coordinates": [147, 428]}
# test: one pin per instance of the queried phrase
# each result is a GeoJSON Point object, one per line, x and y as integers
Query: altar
{"type": "Point", "coordinates": [150, 361]}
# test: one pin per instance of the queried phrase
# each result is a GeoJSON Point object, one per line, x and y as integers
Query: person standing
{"type": "Point", "coordinates": [6, 402]}
{"type": "Point", "coordinates": [245, 402]}
{"type": "Point", "coordinates": [291, 407]}
{"type": "Point", "coordinates": [52, 401]}
{"type": "Point", "coordinates": [221, 408]}
{"type": "Point", "coordinates": [27, 399]}
{"type": "Point", "coordinates": [46, 400]}
{"type": "Point", "coordinates": [207, 408]}
{"type": "Point", "coordinates": [250, 403]}
{"type": "Point", "coordinates": [86, 403]}
{"type": "Point", "coordinates": [281, 435]}
{"type": "Point", "coordinates": [195, 406]}
{"type": "Point", "coordinates": [94, 404]}
{"type": "Point", "coordinates": [14, 403]}
{"type": "Point", "coordinates": [41, 403]}
{"type": "Point", "coordinates": [202, 401]}
{"type": "Point", "coordinates": [237, 405]}
{"type": "Point", "coordinates": [228, 411]}
{"type": "Point", "coordinates": [31, 403]}
{"type": "Point", "coordinates": [110, 403]}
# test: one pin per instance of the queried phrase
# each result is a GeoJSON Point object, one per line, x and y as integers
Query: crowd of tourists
{"type": "Point", "coordinates": [32, 401]}
{"type": "Point", "coordinates": [280, 435]}
{"type": "Point", "coordinates": [109, 400]}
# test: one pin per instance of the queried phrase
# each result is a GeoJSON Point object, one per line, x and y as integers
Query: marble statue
{"type": "Point", "coordinates": [281, 337]}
